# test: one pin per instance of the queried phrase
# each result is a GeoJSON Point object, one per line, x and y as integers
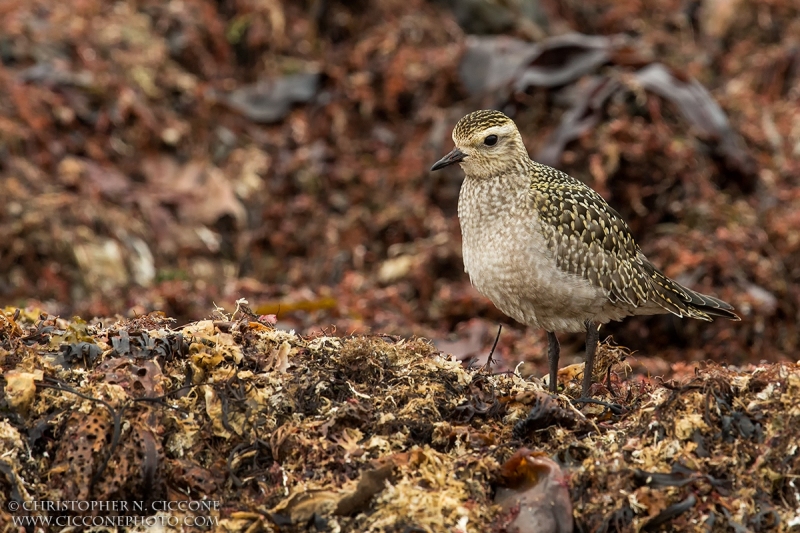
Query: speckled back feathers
{"type": "Point", "coordinates": [589, 238]}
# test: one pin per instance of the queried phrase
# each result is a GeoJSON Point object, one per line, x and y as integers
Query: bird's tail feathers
{"type": "Point", "coordinates": [682, 301]}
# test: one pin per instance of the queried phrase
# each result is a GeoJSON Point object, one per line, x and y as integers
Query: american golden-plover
{"type": "Point", "coordinates": [547, 250]}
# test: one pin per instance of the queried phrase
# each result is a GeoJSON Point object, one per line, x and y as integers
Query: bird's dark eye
{"type": "Point", "coordinates": [491, 140]}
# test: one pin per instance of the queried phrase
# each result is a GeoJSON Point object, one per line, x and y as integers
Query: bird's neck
{"type": "Point", "coordinates": [484, 199]}
{"type": "Point", "coordinates": [515, 174]}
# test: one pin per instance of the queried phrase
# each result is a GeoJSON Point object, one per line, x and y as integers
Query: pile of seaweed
{"type": "Point", "coordinates": [378, 433]}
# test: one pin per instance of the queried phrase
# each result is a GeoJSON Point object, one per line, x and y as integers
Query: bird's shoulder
{"type": "Point", "coordinates": [586, 236]}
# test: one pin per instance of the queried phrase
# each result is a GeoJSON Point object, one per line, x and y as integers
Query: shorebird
{"type": "Point", "coordinates": [549, 251]}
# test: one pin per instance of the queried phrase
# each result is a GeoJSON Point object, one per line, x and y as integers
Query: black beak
{"type": "Point", "coordinates": [456, 156]}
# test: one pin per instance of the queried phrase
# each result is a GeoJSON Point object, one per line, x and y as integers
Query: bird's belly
{"type": "Point", "coordinates": [525, 283]}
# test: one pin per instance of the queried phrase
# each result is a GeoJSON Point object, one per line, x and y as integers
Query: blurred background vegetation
{"type": "Point", "coordinates": [173, 155]}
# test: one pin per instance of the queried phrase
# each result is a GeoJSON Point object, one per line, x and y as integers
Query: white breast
{"type": "Point", "coordinates": [507, 260]}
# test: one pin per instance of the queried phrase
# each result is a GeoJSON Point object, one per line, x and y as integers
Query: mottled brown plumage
{"type": "Point", "coordinates": [549, 251]}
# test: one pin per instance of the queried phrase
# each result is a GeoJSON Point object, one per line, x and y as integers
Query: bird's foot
{"type": "Point", "coordinates": [614, 408]}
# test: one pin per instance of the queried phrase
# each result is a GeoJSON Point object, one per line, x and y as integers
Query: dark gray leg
{"type": "Point", "coordinates": [553, 351]}
{"type": "Point", "coordinates": [592, 336]}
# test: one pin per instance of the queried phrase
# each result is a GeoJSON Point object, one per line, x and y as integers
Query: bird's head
{"type": "Point", "coordinates": [487, 143]}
